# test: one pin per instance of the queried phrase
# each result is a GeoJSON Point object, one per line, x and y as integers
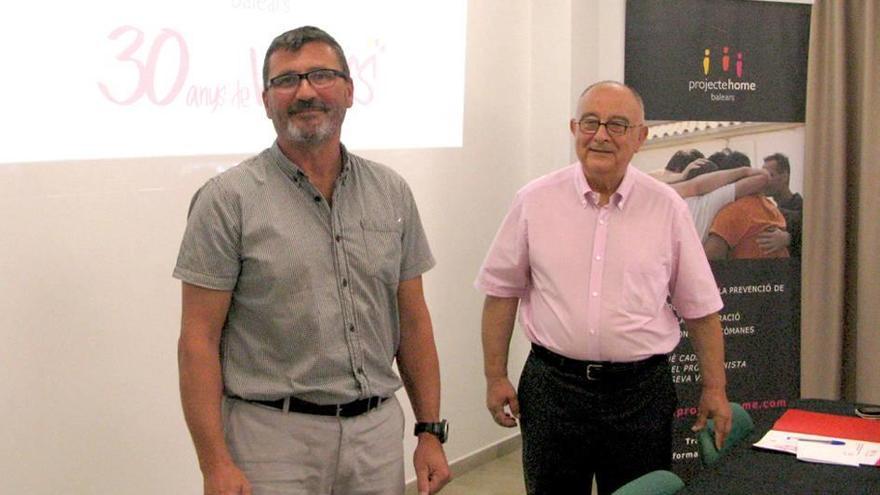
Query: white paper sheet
{"type": "Point", "coordinates": [817, 448]}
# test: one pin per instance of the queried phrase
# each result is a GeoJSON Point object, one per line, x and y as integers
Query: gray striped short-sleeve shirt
{"type": "Point", "coordinates": [314, 289]}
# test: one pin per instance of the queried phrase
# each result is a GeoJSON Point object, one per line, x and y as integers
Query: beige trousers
{"type": "Point", "coordinates": [303, 454]}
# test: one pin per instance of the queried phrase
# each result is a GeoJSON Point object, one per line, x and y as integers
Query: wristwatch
{"type": "Point", "coordinates": [439, 430]}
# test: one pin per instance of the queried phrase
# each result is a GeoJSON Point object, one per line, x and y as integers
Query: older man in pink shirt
{"type": "Point", "coordinates": [592, 252]}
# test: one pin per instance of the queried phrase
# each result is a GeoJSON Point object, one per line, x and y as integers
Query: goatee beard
{"type": "Point", "coordinates": [309, 138]}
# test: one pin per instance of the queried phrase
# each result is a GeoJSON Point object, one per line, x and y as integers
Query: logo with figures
{"type": "Point", "coordinates": [718, 73]}
{"type": "Point", "coordinates": [725, 61]}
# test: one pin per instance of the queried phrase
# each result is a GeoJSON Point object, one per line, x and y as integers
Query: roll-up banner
{"type": "Point", "coordinates": [724, 88]}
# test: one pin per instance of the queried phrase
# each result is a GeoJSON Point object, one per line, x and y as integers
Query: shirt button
{"type": "Point", "coordinates": [338, 238]}
{"type": "Point", "coordinates": [317, 199]}
{"type": "Point", "coordinates": [345, 282]}
{"type": "Point", "coordinates": [351, 328]}
{"type": "Point", "coordinates": [598, 258]}
{"type": "Point", "coordinates": [595, 294]}
{"type": "Point", "coordinates": [592, 332]}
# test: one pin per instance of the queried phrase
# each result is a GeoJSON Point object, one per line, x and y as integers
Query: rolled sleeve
{"type": "Point", "coordinates": [693, 288]}
{"type": "Point", "coordinates": [416, 257]}
{"type": "Point", "coordinates": [505, 271]}
{"type": "Point", "coordinates": [209, 252]}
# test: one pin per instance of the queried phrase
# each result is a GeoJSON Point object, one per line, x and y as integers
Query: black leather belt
{"type": "Point", "coordinates": [347, 410]}
{"type": "Point", "coordinates": [597, 370]}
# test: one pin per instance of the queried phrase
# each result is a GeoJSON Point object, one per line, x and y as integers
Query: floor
{"type": "Point", "coordinates": [503, 476]}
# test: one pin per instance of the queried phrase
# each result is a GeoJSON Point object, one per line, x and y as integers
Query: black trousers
{"type": "Point", "coordinates": [573, 428]}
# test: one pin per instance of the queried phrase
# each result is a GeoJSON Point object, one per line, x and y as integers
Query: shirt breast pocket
{"type": "Point", "coordinates": [383, 241]}
{"type": "Point", "coordinates": [645, 289]}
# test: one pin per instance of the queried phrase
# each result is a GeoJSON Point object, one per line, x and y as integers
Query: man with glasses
{"type": "Point", "coordinates": [592, 252]}
{"type": "Point", "coordinates": [301, 271]}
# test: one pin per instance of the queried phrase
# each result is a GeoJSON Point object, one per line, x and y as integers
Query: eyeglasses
{"type": "Point", "coordinates": [318, 78]}
{"type": "Point", "coordinates": [613, 127]}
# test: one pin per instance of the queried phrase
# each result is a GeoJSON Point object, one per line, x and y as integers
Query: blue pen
{"type": "Point", "coordinates": [818, 440]}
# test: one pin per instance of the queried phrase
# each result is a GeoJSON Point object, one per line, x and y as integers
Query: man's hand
{"type": "Point", "coordinates": [432, 470]}
{"type": "Point", "coordinates": [226, 479]}
{"type": "Point", "coordinates": [698, 163]}
{"type": "Point", "coordinates": [714, 404]}
{"type": "Point", "coordinates": [500, 393]}
{"type": "Point", "coordinates": [773, 239]}
{"type": "Point", "coordinates": [706, 336]}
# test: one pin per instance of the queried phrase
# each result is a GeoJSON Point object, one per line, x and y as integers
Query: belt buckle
{"type": "Point", "coordinates": [590, 369]}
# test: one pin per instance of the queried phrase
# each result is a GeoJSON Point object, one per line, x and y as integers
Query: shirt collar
{"type": "Point", "coordinates": [619, 198]}
{"type": "Point", "coordinates": [293, 170]}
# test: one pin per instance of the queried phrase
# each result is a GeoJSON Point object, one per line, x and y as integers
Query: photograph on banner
{"type": "Point", "coordinates": [743, 184]}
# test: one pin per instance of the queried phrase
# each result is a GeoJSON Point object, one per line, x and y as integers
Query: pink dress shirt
{"type": "Point", "coordinates": [593, 281]}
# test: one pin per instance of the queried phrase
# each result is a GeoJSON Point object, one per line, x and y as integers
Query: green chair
{"type": "Point", "coordinates": [741, 426]}
{"type": "Point", "coordinates": [654, 483]}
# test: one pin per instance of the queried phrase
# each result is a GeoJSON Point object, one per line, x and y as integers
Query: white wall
{"type": "Point", "coordinates": [463, 194]}
{"type": "Point", "coordinates": [574, 43]}
{"type": "Point", "coordinates": [90, 313]}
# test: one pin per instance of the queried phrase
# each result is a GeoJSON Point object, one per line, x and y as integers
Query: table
{"type": "Point", "coordinates": [750, 471]}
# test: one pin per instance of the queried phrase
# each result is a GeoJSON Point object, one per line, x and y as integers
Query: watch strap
{"type": "Point", "coordinates": [439, 429]}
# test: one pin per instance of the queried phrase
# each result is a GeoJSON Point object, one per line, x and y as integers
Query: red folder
{"type": "Point", "coordinates": [829, 425]}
